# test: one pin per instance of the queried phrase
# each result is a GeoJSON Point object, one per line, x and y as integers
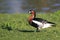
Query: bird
{"type": "Point", "coordinates": [38, 23]}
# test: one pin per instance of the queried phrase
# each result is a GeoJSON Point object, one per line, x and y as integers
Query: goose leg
{"type": "Point", "coordinates": [38, 29]}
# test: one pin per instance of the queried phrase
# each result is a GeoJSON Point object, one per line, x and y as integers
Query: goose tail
{"type": "Point", "coordinates": [52, 24]}
{"type": "Point", "coordinates": [49, 24]}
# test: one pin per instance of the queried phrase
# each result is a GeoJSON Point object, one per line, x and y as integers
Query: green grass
{"type": "Point", "coordinates": [18, 24]}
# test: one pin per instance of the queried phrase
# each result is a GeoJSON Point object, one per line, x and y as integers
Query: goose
{"type": "Point", "coordinates": [38, 23]}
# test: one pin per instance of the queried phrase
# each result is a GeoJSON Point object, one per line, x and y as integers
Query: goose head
{"type": "Point", "coordinates": [33, 13]}
{"type": "Point", "coordinates": [32, 16]}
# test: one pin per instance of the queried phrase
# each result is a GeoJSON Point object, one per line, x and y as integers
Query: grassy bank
{"type": "Point", "coordinates": [16, 27]}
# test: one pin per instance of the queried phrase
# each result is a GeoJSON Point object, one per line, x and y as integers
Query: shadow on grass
{"type": "Point", "coordinates": [28, 31]}
{"type": "Point", "coordinates": [8, 28]}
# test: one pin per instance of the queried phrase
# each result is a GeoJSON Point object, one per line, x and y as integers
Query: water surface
{"type": "Point", "coordinates": [22, 6]}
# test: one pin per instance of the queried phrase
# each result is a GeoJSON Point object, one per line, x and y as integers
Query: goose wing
{"type": "Point", "coordinates": [40, 19]}
{"type": "Point", "coordinates": [43, 25]}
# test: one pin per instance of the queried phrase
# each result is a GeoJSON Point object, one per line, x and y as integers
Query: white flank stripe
{"type": "Point", "coordinates": [38, 23]}
{"type": "Point", "coordinates": [45, 25]}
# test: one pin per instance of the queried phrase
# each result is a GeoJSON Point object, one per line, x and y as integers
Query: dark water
{"type": "Point", "coordinates": [21, 6]}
